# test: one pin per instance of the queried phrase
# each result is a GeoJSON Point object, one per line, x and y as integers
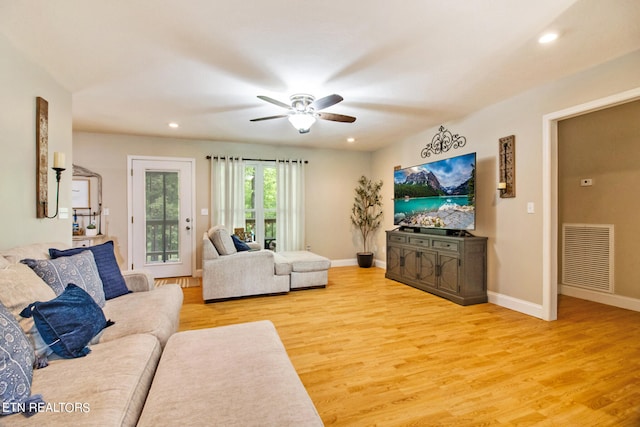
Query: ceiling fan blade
{"type": "Point", "coordinates": [337, 117]}
{"type": "Point", "coordinates": [274, 101]}
{"type": "Point", "coordinates": [327, 101]}
{"type": "Point", "coordinates": [269, 118]}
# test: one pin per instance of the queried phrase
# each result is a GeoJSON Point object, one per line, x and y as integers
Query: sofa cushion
{"type": "Point", "coordinates": [222, 240]}
{"type": "Point", "coordinates": [34, 250]}
{"type": "Point", "coordinates": [79, 269]}
{"type": "Point", "coordinates": [107, 388]}
{"type": "Point", "coordinates": [16, 364]}
{"type": "Point", "coordinates": [19, 287]}
{"type": "Point", "coordinates": [282, 265]}
{"type": "Point", "coordinates": [108, 269]}
{"type": "Point", "coordinates": [68, 322]}
{"type": "Point", "coordinates": [155, 312]}
{"type": "Point", "coordinates": [302, 261]}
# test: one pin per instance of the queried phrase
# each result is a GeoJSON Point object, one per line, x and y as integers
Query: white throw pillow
{"type": "Point", "coordinates": [222, 240]}
{"type": "Point", "coordinates": [19, 287]}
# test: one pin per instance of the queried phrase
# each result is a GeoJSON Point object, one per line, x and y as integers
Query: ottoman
{"type": "Point", "coordinates": [308, 270]}
{"type": "Point", "coordinates": [236, 375]}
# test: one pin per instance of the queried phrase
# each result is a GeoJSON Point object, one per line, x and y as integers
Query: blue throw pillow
{"type": "Point", "coordinates": [68, 322]}
{"type": "Point", "coordinates": [239, 244]}
{"type": "Point", "coordinates": [112, 281]}
{"type": "Point", "coordinates": [16, 362]}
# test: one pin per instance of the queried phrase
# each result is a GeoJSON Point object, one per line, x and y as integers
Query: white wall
{"type": "Point", "coordinates": [515, 237]}
{"type": "Point", "coordinates": [21, 82]}
{"type": "Point", "coordinates": [331, 177]}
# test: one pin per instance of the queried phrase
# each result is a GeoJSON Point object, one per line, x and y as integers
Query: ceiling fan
{"type": "Point", "coordinates": [305, 109]}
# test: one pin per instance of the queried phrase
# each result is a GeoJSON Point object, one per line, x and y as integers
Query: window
{"type": "Point", "coordinates": [162, 216]}
{"type": "Point", "coordinates": [260, 201]}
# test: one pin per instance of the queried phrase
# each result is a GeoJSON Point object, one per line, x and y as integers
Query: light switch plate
{"type": "Point", "coordinates": [531, 208]}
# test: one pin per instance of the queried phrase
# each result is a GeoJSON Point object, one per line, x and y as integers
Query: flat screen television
{"type": "Point", "coordinates": [440, 194]}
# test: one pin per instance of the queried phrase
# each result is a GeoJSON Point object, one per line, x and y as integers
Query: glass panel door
{"type": "Point", "coordinates": [161, 217]}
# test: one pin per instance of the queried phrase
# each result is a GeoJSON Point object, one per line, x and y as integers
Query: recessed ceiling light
{"type": "Point", "coordinates": [174, 125]}
{"type": "Point", "coordinates": [547, 38]}
{"type": "Point", "coordinates": [351, 140]}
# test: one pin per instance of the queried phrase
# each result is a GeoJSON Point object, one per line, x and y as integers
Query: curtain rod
{"type": "Point", "coordinates": [256, 160]}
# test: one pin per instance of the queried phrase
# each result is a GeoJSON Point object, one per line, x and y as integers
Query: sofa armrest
{"type": "Point", "coordinates": [139, 280]}
{"type": "Point", "coordinates": [240, 274]}
{"type": "Point", "coordinates": [244, 267]}
{"type": "Point", "coordinates": [208, 250]}
{"type": "Point", "coordinates": [257, 262]}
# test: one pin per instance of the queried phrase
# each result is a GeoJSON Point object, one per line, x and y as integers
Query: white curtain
{"type": "Point", "coordinates": [290, 205]}
{"type": "Point", "coordinates": [227, 192]}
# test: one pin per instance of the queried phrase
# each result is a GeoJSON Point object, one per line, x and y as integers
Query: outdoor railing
{"type": "Point", "coordinates": [269, 228]}
{"type": "Point", "coordinates": [163, 240]}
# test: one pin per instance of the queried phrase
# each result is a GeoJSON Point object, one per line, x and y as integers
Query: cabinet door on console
{"type": "Point", "coordinates": [394, 266]}
{"type": "Point", "coordinates": [411, 268]}
{"type": "Point", "coordinates": [449, 273]}
{"type": "Point", "coordinates": [428, 268]}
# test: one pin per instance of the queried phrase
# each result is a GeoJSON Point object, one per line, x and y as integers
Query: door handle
{"type": "Point", "coordinates": [188, 220]}
{"type": "Point", "coordinates": [188, 228]}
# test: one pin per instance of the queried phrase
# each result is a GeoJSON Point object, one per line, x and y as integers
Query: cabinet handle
{"type": "Point", "coordinates": [438, 270]}
{"type": "Point", "coordinates": [401, 261]}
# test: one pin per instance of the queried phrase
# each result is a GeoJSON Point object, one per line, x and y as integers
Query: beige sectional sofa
{"type": "Point", "coordinates": [229, 273]}
{"type": "Point", "coordinates": [109, 386]}
{"type": "Point", "coordinates": [140, 371]}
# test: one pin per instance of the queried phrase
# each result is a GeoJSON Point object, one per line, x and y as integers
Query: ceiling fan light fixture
{"type": "Point", "coordinates": [305, 110]}
{"type": "Point", "coordinates": [302, 121]}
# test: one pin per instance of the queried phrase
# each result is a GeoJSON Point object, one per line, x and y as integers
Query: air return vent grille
{"type": "Point", "coordinates": [587, 256]}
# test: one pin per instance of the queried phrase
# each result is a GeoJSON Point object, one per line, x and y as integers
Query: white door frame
{"type": "Point", "coordinates": [550, 192]}
{"type": "Point", "coordinates": [190, 160]}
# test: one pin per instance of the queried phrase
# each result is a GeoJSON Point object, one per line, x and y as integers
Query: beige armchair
{"type": "Point", "coordinates": [227, 273]}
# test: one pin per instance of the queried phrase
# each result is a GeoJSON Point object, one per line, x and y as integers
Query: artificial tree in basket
{"type": "Point", "coordinates": [366, 215]}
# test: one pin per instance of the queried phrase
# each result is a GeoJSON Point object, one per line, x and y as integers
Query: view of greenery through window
{"type": "Point", "coordinates": [260, 218]}
{"type": "Point", "coordinates": [162, 216]}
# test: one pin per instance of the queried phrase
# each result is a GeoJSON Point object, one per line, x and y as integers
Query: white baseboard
{"type": "Point", "coordinates": [515, 304]}
{"type": "Point", "coordinates": [609, 299]}
{"type": "Point", "coordinates": [343, 262]}
{"type": "Point", "coordinates": [354, 261]}
{"type": "Point", "coordinates": [198, 273]}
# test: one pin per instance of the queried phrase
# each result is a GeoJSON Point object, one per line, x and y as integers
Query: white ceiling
{"type": "Point", "coordinates": [134, 66]}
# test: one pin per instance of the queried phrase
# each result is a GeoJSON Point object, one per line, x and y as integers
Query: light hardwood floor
{"type": "Point", "coordinates": [371, 351]}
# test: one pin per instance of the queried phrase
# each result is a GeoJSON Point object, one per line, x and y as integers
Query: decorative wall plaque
{"type": "Point", "coordinates": [507, 184]}
{"type": "Point", "coordinates": [442, 142]}
{"type": "Point", "coordinates": [42, 157]}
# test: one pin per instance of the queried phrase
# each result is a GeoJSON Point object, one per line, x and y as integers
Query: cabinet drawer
{"type": "Point", "coordinates": [420, 241]}
{"type": "Point", "coordinates": [81, 243]}
{"type": "Point", "coordinates": [397, 239]}
{"type": "Point", "coordinates": [446, 245]}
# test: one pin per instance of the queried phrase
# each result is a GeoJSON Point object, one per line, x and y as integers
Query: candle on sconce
{"type": "Point", "coordinates": [502, 186]}
{"type": "Point", "coordinates": [58, 160]}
